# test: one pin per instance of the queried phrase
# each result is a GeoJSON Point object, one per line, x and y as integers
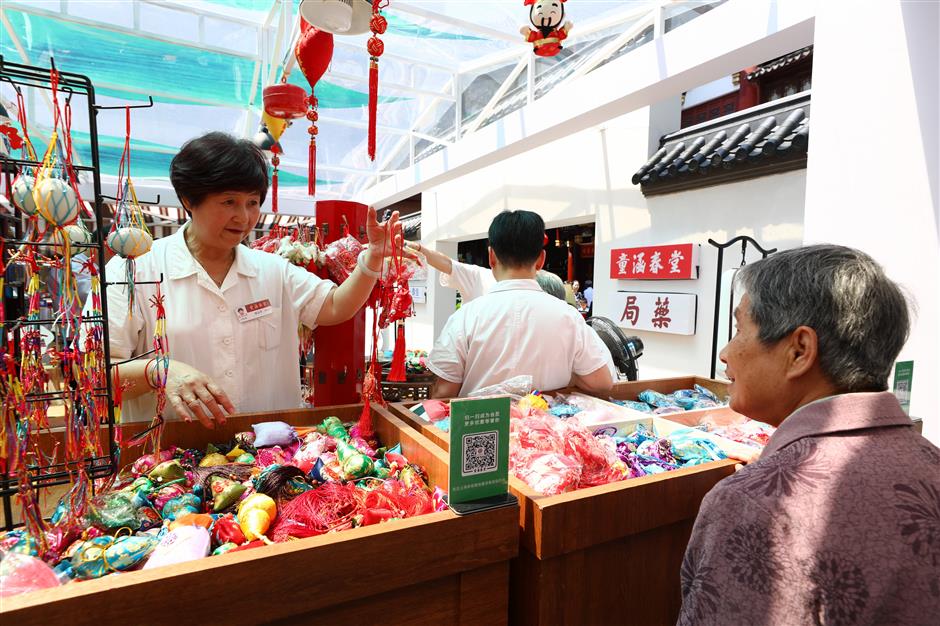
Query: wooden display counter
{"type": "Point", "coordinates": [601, 555]}
{"type": "Point", "coordinates": [437, 568]}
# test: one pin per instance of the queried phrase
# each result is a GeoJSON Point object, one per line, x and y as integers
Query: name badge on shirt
{"type": "Point", "coordinates": [253, 310]}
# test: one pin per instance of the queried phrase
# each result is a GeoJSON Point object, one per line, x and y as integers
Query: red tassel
{"type": "Point", "coordinates": [365, 420]}
{"type": "Point", "coordinates": [371, 388]}
{"type": "Point", "coordinates": [397, 373]}
{"type": "Point", "coordinates": [373, 104]}
{"type": "Point", "coordinates": [275, 161]}
{"type": "Point", "coordinates": [312, 168]}
{"type": "Point", "coordinates": [274, 191]}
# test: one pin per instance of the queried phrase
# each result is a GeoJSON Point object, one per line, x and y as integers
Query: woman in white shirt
{"type": "Point", "coordinates": [231, 312]}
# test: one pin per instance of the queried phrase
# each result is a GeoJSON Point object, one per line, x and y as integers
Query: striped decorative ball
{"type": "Point", "coordinates": [77, 235]}
{"type": "Point", "coordinates": [56, 202]}
{"type": "Point", "coordinates": [22, 194]}
{"type": "Point", "coordinates": [130, 242]}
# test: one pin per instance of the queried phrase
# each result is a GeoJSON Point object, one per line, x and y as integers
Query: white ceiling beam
{"type": "Point", "coordinates": [612, 46]}
{"type": "Point", "coordinates": [342, 42]}
{"type": "Point", "coordinates": [404, 141]}
{"type": "Point", "coordinates": [735, 34]}
{"type": "Point", "coordinates": [462, 25]}
{"type": "Point", "coordinates": [145, 34]}
{"type": "Point", "coordinates": [203, 12]}
{"type": "Point", "coordinates": [388, 85]}
{"type": "Point", "coordinates": [176, 99]}
{"type": "Point", "coordinates": [391, 130]}
{"type": "Point", "coordinates": [494, 100]}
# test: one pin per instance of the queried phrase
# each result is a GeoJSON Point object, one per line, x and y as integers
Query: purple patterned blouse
{"type": "Point", "coordinates": [837, 523]}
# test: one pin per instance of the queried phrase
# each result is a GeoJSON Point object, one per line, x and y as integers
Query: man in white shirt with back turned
{"type": "Point", "coordinates": [516, 328]}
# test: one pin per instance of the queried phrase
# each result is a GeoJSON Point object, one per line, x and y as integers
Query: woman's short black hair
{"type": "Point", "coordinates": [218, 162]}
{"type": "Point", "coordinates": [517, 237]}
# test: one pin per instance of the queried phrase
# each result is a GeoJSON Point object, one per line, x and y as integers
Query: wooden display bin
{"type": "Point", "coordinates": [439, 568]}
{"type": "Point", "coordinates": [631, 389]}
{"type": "Point", "coordinates": [601, 555]}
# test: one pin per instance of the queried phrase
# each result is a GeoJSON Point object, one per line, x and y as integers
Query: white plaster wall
{"type": "Point", "coordinates": [586, 177]}
{"type": "Point", "coordinates": [704, 93]}
{"type": "Point", "coordinates": [873, 174]}
{"type": "Point", "coordinates": [768, 209]}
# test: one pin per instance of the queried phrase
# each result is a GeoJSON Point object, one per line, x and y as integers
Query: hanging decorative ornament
{"type": "Point", "coordinates": [340, 17]}
{"type": "Point", "coordinates": [546, 16]}
{"type": "Point", "coordinates": [282, 102]}
{"type": "Point", "coordinates": [76, 233]}
{"type": "Point", "coordinates": [314, 51]}
{"type": "Point", "coordinates": [398, 372]}
{"type": "Point", "coordinates": [22, 194]}
{"type": "Point", "coordinates": [378, 24]}
{"type": "Point", "coordinates": [269, 135]}
{"type": "Point", "coordinates": [22, 190]}
{"type": "Point", "coordinates": [397, 305]}
{"type": "Point", "coordinates": [129, 237]}
{"type": "Point", "coordinates": [268, 139]}
{"type": "Point", "coordinates": [130, 241]}
{"type": "Point", "coordinates": [56, 202]}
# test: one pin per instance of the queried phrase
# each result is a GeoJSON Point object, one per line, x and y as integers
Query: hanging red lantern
{"type": "Point", "coordinates": [314, 51]}
{"type": "Point", "coordinates": [282, 102]}
{"type": "Point", "coordinates": [285, 101]}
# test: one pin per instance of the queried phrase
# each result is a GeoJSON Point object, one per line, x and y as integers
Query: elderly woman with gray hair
{"type": "Point", "coordinates": [838, 522]}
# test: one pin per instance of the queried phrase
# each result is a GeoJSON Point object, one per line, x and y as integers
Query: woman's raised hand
{"type": "Point", "coordinates": [385, 238]}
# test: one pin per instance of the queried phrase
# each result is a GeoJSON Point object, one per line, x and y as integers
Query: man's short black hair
{"type": "Point", "coordinates": [218, 162]}
{"type": "Point", "coordinates": [517, 237]}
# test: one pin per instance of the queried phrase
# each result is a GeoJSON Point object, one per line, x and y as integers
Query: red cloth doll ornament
{"type": "Point", "coordinates": [397, 305]}
{"type": "Point", "coordinates": [378, 24]}
{"type": "Point", "coordinates": [546, 16]}
{"type": "Point", "coordinates": [314, 51]}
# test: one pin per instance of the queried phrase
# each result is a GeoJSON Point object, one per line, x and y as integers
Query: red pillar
{"type": "Point", "coordinates": [339, 351]}
{"type": "Point", "coordinates": [570, 263]}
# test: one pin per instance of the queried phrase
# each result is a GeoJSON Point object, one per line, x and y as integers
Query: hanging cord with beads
{"type": "Point", "coordinates": [378, 24]}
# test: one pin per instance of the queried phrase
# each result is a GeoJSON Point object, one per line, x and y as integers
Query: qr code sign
{"type": "Point", "coordinates": [479, 453]}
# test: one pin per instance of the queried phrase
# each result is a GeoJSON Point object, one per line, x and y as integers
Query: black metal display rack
{"type": "Point", "coordinates": [743, 240]}
{"type": "Point", "coordinates": [11, 232]}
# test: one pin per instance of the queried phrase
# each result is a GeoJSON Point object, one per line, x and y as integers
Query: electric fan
{"type": "Point", "coordinates": [625, 350]}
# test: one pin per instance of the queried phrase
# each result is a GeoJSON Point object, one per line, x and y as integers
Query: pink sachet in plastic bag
{"type": "Point", "coordinates": [549, 473]}
{"type": "Point", "coordinates": [185, 543]}
{"type": "Point", "coordinates": [435, 410]}
{"type": "Point", "coordinates": [21, 573]}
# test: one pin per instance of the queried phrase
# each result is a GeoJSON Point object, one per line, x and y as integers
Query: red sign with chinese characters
{"type": "Point", "coordinates": [670, 262]}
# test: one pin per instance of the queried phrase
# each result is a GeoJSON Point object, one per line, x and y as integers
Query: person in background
{"type": "Point", "coordinates": [516, 328]}
{"type": "Point", "coordinates": [472, 281]}
{"type": "Point", "coordinates": [838, 522]}
{"type": "Point", "coordinates": [569, 295]}
{"type": "Point", "coordinates": [551, 284]}
{"type": "Point", "coordinates": [589, 293]}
